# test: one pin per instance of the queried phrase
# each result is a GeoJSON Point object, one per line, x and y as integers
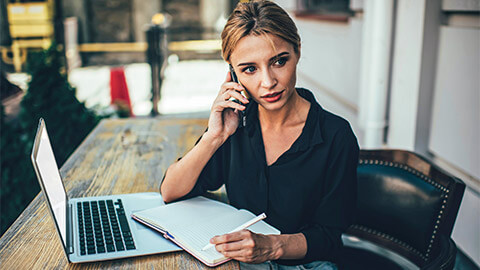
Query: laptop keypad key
{"type": "Point", "coordinates": [119, 245]}
{"type": "Point", "coordinates": [111, 248]}
{"type": "Point", "coordinates": [127, 234]}
{"type": "Point", "coordinates": [81, 238]}
{"type": "Point", "coordinates": [99, 243]}
{"type": "Point", "coordinates": [103, 227]}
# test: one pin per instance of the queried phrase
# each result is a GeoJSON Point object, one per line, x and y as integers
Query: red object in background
{"type": "Point", "coordinates": [119, 89]}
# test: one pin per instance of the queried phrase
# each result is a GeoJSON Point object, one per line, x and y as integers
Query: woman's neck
{"type": "Point", "coordinates": [293, 113]}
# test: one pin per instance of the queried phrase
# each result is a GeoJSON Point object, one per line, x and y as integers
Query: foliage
{"type": "Point", "coordinates": [51, 97]}
{"type": "Point", "coordinates": [18, 184]}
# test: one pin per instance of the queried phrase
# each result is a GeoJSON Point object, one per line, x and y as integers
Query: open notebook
{"type": "Point", "coordinates": [192, 223]}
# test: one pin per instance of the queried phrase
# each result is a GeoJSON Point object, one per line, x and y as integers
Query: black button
{"type": "Point", "coordinates": [119, 245]}
{"type": "Point", "coordinates": [110, 248]}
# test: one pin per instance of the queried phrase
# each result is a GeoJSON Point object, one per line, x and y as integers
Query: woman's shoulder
{"type": "Point", "coordinates": [335, 122]}
{"type": "Point", "coordinates": [331, 124]}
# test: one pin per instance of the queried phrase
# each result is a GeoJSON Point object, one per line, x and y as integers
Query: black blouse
{"type": "Point", "coordinates": [311, 188]}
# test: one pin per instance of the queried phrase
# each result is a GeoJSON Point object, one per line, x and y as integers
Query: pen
{"type": "Point", "coordinates": [241, 227]}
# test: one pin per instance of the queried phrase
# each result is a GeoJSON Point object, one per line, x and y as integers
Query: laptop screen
{"type": "Point", "coordinates": [52, 182]}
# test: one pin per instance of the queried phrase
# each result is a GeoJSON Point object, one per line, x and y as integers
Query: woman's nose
{"type": "Point", "coordinates": [268, 79]}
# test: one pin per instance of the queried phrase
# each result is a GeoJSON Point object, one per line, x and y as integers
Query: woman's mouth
{"type": "Point", "coordinates": [273, 97]}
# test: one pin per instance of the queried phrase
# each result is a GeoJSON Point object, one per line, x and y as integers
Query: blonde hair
{"type": "Point", "coordinates": [258, 17]}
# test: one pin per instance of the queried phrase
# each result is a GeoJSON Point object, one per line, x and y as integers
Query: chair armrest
{"type": "Point", "coordinates": [445, 259]}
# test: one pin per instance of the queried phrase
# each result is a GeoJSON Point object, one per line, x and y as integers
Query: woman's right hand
{"type": "Point", "coordinates": [182, 175]}
{"type": "Point", "coordinates": [223, 120]}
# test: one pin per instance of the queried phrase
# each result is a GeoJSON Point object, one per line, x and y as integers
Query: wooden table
{"type": "Point", "coordinates": [119, 156]}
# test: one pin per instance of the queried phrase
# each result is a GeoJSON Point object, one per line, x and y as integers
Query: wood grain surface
{"type": "Point", "coordinates": [119, 156]}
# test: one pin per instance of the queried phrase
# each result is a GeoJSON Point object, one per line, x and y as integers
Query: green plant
{"type": "Point", "coordinates": [18, 184]}
{"type": "Point", "coordinates": [51, 97]}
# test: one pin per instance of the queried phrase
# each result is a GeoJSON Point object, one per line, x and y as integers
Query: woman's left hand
{"type": "Point", "coordinates": [248, 247]}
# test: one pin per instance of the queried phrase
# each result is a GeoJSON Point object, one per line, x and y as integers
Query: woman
{"type": "Point", "coordinates": [293, 160]}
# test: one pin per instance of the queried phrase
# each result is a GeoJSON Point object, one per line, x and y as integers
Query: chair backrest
{"type": "Point", "coordinates": [405, 203]}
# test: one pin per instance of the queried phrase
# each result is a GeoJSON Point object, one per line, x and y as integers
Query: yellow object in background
{"type": "Point", "coordinates": [31, 26]}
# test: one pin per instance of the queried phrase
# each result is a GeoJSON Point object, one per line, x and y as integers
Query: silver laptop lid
{"type": "Point", "coordinates": [50, 181]}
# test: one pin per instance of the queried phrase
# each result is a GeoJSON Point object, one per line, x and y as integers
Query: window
{"type": "Point", "coordinates": [334, 10]}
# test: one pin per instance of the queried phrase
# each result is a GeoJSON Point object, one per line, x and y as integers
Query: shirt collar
{"type": "Point", "coordinates": [312, 131]}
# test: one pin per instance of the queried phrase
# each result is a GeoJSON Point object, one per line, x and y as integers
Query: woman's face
{"type": "Point", "coordinates": [266, 66]}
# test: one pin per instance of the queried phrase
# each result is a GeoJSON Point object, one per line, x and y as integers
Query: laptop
{"type": "Point", "coordinates": [95, 228]}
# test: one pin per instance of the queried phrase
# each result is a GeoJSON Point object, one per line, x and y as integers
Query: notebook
{"type": "Point", "coordinates": [192, 223]}
{"type": "Point", "coordinates": [95, 228]}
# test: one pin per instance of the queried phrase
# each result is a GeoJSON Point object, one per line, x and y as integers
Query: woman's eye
{"type": "Point", "coordinates": [281, 61]}
{"type": "Point", "coordinates": [249, 69]}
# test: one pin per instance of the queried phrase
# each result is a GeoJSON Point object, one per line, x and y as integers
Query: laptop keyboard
{"type": "Point", "coordinates": [103, 227]}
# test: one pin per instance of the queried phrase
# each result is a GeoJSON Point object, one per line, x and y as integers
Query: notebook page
{"type": "Point", "coordinates": [196, 210]}
{"type": "Point", "coordinates": [197, 235]}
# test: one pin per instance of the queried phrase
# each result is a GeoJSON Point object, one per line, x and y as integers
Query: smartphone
{"type": "Point", "coordinates": [242, 116]}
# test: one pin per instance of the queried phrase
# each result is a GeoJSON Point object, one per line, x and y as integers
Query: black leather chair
{"type": "Point", "coordinates": [405, 214]}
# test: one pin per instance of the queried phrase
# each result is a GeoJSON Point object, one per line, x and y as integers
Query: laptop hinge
{"type": "Point", "coordinates": [69, 229]}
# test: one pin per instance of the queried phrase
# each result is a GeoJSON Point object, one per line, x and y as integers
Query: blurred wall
{"type": "Point", "coordinates": [115, 21]}
{"type": "Point", "coordinates": [111, 20]}
{"type": "Point", "coordinates": [143, 11]}
{"type": "Point", "coordinates": [78, 9]}
{"type": "Point", "coordinates": [5, 39]}
{"type": "Point", "coordinates": [330, 64]}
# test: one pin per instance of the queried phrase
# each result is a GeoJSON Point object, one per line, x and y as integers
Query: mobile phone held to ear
{"type": "Point", "coordinates": [242, 114]}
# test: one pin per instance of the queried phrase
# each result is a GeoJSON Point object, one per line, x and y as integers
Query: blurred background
{"type": "Point", "coordinates": [404, 73]}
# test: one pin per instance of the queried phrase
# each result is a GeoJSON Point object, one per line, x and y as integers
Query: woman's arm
{"type": "Point", "coordinates": [292, 246]}
{"type": "Point", "coordinates": [182, 175]}
{"type": "Point", "coordinates": [249, 247]}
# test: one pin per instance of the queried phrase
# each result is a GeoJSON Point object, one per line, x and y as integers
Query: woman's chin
{"type": "Point", "coordinates": [276, 106]}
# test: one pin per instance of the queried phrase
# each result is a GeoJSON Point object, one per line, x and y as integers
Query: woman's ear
{"type": "Point", "coordinates": [298, 53]}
